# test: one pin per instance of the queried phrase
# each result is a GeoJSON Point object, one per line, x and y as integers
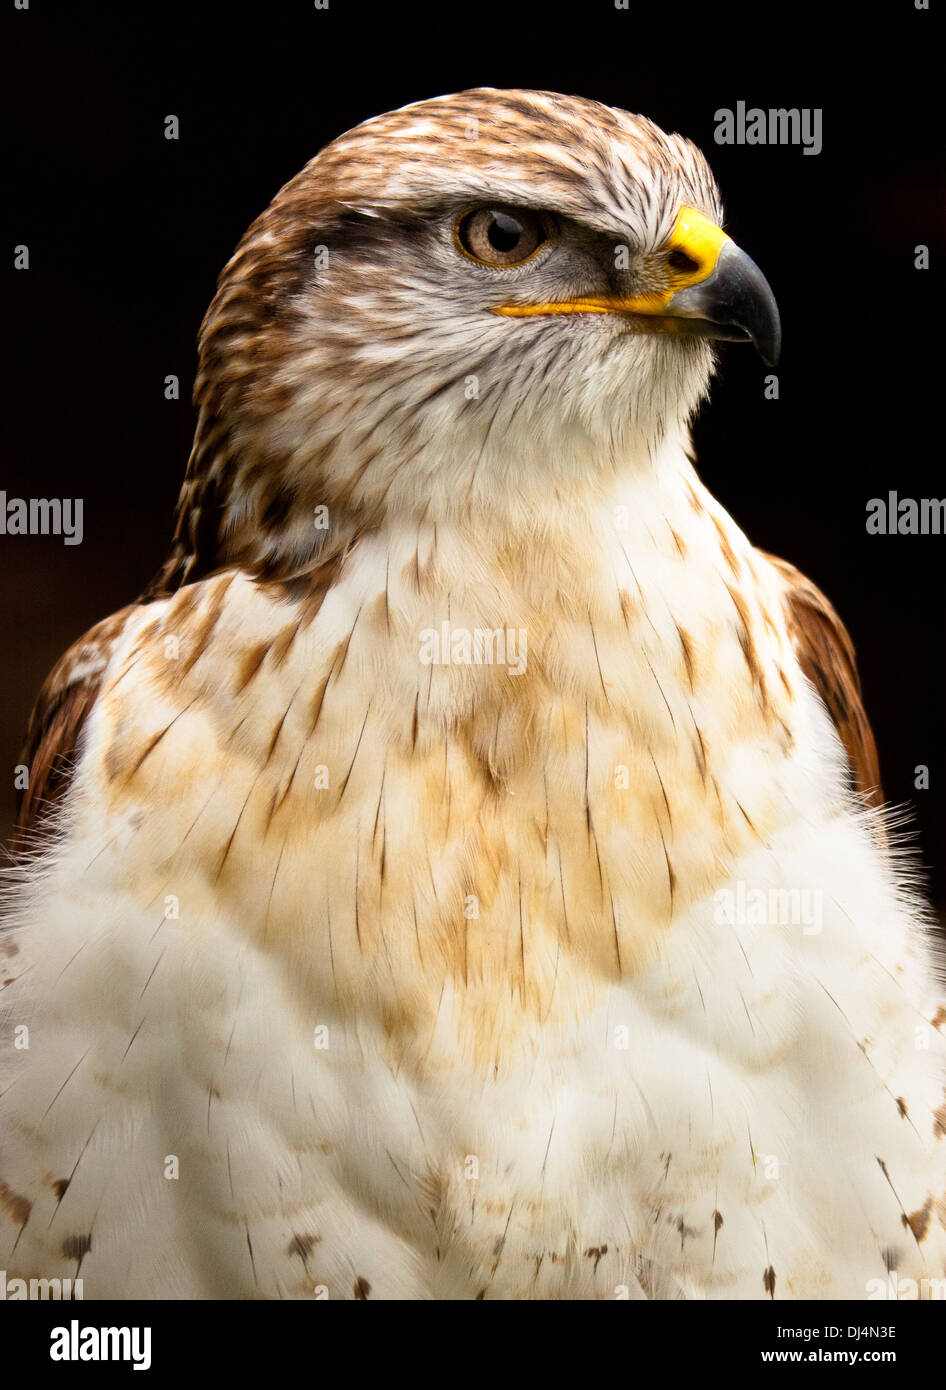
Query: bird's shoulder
{"type": "Point", "coordinates": [826, 655]}
{"type": "Point", "coordinates": [59, 714]}
{"type": "Point", "coordinates": [222, 629]}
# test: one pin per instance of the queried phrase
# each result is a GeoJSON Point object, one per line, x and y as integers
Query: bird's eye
{"type": "Point", "coordinates": [500, 236]}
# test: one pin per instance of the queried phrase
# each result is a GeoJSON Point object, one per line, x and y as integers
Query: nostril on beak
{"type": "Point", "coordinates": [679, 260]}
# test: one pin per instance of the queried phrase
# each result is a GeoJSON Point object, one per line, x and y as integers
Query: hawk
{"type": "Point", "coordinates": [462, 874]}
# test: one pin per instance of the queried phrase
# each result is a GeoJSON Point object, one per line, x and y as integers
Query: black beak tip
{"type": "Point", "coordinates": [768, 344]}
{"type": "Point", "coordinates": [746, 293]}
{"type": "Point", "coordinates": [765, 327]}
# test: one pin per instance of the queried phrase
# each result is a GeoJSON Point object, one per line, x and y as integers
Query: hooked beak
{"type": "Point", "coordinates": [712, 289]}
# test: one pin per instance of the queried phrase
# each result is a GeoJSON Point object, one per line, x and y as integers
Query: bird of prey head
{"type": "Point", "coordinates": [455, 305]}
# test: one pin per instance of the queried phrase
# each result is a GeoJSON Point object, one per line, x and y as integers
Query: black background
{"type": "Point", "coordinates": [127, 232]}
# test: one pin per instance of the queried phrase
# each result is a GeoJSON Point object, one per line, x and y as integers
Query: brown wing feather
{"type": "Point", "coordinates": [826, 655]}
{"type": "Point", "coordinates": [62, 706]}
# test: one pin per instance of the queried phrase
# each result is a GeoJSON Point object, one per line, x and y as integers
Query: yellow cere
{"type": "Point", "coordinates": [700, 239]}
{"type": "Point", "coordinates": [693, 234]}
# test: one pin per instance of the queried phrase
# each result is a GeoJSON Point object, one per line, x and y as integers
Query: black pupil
{"type": "Point", "coordinates": [504, 232]}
